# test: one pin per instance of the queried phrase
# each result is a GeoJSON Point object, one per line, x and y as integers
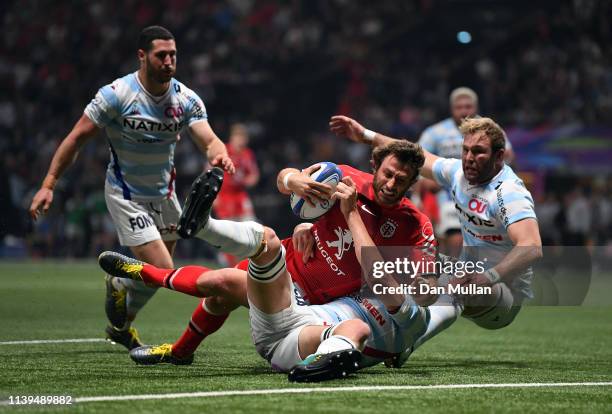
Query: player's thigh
{"type": "Point", "coordinates": [133, 222]}
{"type": "Point", "coordinates": [269, 285]}
{"type": "Point", "coordinates": [228, 283]}
{"type": "Point", "coordinates": [309, 339]}
{"type": "Point", "coordinates": [166, 214]}
{"type": "Point", "coordinates": [170, 246]}
{"type": "Point", "coordinates": [276, 335]}
{"type": "Point", "coordinates": [500, 315]}
{"type": "Point", "coordinates": [270, 297]}
{"type": "Point", "coordinates": [297, 345]}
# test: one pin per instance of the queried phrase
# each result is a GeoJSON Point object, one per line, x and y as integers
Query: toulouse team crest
{"type": "Point", "coordinates": [387, 230]}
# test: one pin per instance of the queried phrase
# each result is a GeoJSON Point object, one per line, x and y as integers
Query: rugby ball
{"type": "Point", "coordinates": [328, 173]}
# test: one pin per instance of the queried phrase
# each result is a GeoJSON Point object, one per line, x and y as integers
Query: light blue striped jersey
{"type": "Point", "coordinates": [445, 140]}
{"type": "Point", "coordinates": [390, 333]}
{"type": "Point", "coordinates": [486, 211]}
{"type": "Point", "coordinates": [142, 132]}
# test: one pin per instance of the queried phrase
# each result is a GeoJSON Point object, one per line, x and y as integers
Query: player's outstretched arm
{"type": "Point", "coordinates": [65, 155]}
{"type": "Point", "coordinates": [343, 126]}
{"type": "Point", "coordinates": [211, 146]}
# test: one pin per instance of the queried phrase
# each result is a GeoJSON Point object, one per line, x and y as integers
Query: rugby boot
{"type": "Point", "coordinates": [199, 202]}
{"type": "Point", "coordinates": [323, 367]}
{"type": "Point", "coordinates": [128, 338]}
{"type": "Point", "coordinates": [118, 265]}
{"type": "Point", "coordinates": [158, 354]}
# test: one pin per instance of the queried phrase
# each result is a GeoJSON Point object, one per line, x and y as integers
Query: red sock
{"type": "Point", "coordinates": [200, 326]}
{"type": "Point", "coordinates": [231, 260]}
{"type": "Point", "coordinates": [183, 279]}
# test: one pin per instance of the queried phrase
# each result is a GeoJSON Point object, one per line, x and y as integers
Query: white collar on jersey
{"type": "Point", "coordinates": [156, 99]}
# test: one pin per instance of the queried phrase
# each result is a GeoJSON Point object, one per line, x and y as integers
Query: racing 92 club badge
{"type": "Point", "coordinates": [387, 230]}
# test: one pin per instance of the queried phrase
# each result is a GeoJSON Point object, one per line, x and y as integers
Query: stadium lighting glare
{"type": "Point", "coordinates": [464, 37]}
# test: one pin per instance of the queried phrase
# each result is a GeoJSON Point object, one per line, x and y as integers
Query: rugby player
{"type": "Point", "coordinates": [233, 202]}
{"type": "Point", "coordinates": [497, 217]}
{"type": "Point", "coordinates": [298, 338]}
{"type": "Point", "coordinates": [144, 113]}
{"type": "Point", "coordinates": [445, 140]}
{"type": "Point", "coordinates": [321, 257]}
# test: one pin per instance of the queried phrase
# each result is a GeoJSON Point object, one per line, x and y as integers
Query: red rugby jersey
{"type": "Point", "coordinates": [334, 271]}
{"type": "Point", "coordinates": [245, 164]}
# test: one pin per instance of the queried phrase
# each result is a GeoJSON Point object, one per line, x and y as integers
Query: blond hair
{"type": "Point", "coordinates": [463, 91]}
{"type": "Point", "coordinates": [490, 128]}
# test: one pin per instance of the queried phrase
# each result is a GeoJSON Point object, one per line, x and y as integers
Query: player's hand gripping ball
{"type": "Point", "coordinates": [328, 173]}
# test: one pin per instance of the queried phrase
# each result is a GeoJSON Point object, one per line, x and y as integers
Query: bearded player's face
{"type": "Point", "coordinates": [160, 61]}
{"type": "Point", "coordinates": [391, 181]}
{"type": "Point", "coordinates": [478, 160]}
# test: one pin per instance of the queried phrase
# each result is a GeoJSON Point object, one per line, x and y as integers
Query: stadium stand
{"type": "Point", "coordinates": [283, 68]}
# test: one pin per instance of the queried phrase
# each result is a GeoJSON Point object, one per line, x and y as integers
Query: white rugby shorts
{"type": "Point", "coordinates": [137, 222]}
{"type": "Point", "coordinates": [276, 335]}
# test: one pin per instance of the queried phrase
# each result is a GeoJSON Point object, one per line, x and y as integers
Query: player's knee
{"type": "Point", "coordinates": [272, 240]}
{"type": "Point", "coordinates": [355, 329]}
{"type": "Point", "coordinates": [362, 331]}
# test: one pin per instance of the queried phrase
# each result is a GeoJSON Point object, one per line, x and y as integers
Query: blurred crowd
{"type": "Point", "coordinates": [282, 68]}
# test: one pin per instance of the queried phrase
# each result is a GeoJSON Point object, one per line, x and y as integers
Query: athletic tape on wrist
{"type": "Point", "coordinates": [286, 180]}
{"type": "Point", "coordinates": [493, 276]}
{"type": "Point", "coordinates": [369, 135]}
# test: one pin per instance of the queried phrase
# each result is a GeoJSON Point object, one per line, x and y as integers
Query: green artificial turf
{"type": "Point", "coordinates": [64, 300]}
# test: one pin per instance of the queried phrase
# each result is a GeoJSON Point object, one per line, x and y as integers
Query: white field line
{"type": "Point", "coordinates": [366, 388]}
{"type": "Point", "coordinates": [53, 341]}
{"type": "Point", "coordinates": [295, 390]}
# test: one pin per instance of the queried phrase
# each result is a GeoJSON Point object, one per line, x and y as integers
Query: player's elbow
{"type": "Point", "coordinates": [537, 252]}
{"type": "Point", "coordinates": [532, 248]}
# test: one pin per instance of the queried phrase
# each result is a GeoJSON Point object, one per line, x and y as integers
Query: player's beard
{"type": "Point", "coordinates": [160, 76]}
{"type": "Point", "coordinates": [388, 199]}
{"type": "Point", "coordinates": [484, 172]}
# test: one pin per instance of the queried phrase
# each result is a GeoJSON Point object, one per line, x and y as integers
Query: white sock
{"type": "Point", "coordinates": [442, 315]}
{"type": "Point", "coordinates": [335, 343]}
{"type": "Point", "coordinates": [241, 239]}
{"type": "Point", "coordinates": [268, 272]}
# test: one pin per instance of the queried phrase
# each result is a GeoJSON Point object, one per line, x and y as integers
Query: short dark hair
{"type": "Point", "coordinates": [406, 152]}
{"type": "Point", "coordinates": [151, 33]}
